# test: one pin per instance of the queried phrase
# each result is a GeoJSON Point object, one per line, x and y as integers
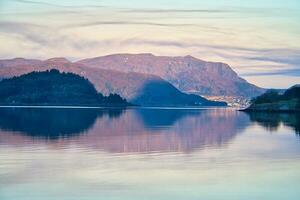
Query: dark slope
{"type": "Point", "coordinates": [272, 101]}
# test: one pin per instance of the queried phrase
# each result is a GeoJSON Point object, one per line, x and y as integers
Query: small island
{"type": "Point", "coordinates": [54, 88]}
{"type": "Point", "coordinates": [272, 101]}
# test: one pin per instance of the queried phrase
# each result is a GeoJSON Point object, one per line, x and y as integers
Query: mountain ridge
{"type": "Point", "coordinates": [187, 73]}
{"type": "Point", "coordinates": [128, 85]}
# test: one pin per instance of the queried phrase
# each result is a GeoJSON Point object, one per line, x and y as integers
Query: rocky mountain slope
{"type": "Point", "coordinates": [187, 73]}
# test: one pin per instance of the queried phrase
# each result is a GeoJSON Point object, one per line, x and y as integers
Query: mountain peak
{"type": "Point", "coordinates": [189, 56]}
{"type": "Point", "coordinates": [145, 54]}
{"type": "Point", "coordinates": [18, 59]}
{"type": "Point", "coordinates": [58, 60]}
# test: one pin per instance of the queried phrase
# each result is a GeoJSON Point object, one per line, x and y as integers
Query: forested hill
{"type": "Point", "coordinates": [54, 88]}
{"type": "Point", "coordinates": [273, 101]}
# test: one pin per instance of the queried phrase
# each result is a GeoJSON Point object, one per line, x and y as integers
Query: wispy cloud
{"type": "Point", "coordinates": [47, 37]}
{"type": "Point", "coordinates": [222, 13]}
{"type": "Point", "coordinates": [179, 10]}
{"type": "Point", "coordinates": [188, 43]}
{"type": "Point", "coordinates": [38, 3]}
{"type": "Point", "coordinates": [286, 72]}
{"type": "Point", "coordinates": [97, 23]}
{"type": "Point", "coordinates": [25, 30]}
{"type": "Point", "coordinates": [274, 56]}
{"type": "Point", "coordinates": [42, 3]}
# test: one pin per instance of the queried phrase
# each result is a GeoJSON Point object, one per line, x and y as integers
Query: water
{"type": "Point", "coordinates": [110, 154]}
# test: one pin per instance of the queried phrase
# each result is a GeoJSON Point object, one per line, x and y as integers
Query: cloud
{"type": "Point", "coordinates": [25, 30]}
{"type": "Point", "coordinates": [288, 60]}
{"type": "Point", "coordinates": [212, 13]}
{"type": "Point", "coordinates": [286, 72]}
{"type": "Point", "coordinates": [37, 3]}
{"type": "Point", "coordinates": [205, 28]}
{"type": "Point", "coordinates": [178, 10]}
{"type": "Point", "coordinates": [47, 37]}
{"type": "Point", "coordinates": [292, 58]}
{"type": "Point", "coordinates": [187, 43]}
{"type": "Point", "coordinates": [57, 5]}
{"type": "Point", "coordinates": [97, 23]}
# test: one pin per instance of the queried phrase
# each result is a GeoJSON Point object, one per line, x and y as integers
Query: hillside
{"type": "Point", "coordinates": [162, 93]}
{"type": "Point", "coordinates": [289, 101]}
{"type": "Point", "coordinates": [53, 88]}
{"type": "Point", "coordinates": [188, 74]}
{"type": "Point", "coordinates": [135, 87]}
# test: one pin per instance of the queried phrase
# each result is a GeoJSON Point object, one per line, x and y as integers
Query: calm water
{"type": "Point", "coordinates": [184, 154]}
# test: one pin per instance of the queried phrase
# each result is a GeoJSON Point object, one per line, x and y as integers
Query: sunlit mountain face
{"type": "Point", "coordinates": [260, 40]}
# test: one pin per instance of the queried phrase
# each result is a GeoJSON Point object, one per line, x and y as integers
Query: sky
{"type": "Point", "coordinates": [259, 39]}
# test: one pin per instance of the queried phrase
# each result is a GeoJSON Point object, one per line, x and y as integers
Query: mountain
{"type": "Point", "coordinates": [137, 88]}
{"type": "Point", "coordinates": [54, 88]}
{"type": "Point", "coordinates": [272, 101]}
{"type": "Point", "coordinates": [188, 74]}
{"type": "Point", "coordinates": [19, 62]}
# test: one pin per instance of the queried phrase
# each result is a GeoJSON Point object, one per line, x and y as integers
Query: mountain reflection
{"type": "Point", "coordinates": [163, 118]}
{"type": "Point", "coordinates": [51, 123]}
{"type": "Point", "coordinates": [137, 131]}
{"type": "Point", "coordinates": [272, 121]}
{"type": "Point", "coordinates": [122, 131]}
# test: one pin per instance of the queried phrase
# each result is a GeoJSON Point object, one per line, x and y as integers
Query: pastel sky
{"type": "Point", "coordinates": [259, 39]}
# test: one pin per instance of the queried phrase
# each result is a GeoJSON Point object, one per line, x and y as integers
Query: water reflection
{"type": "Point", "coordinates": [123, 131]}
{"type": "Point", "coordinates": [272, 121]}
{"type": "Point", "coordinates": [164, 118]}
{"type": "Point", "coordinates": [195, 129]}
{"type": "Point", "coordinates": [112, 154]}
{"type": "Point", "coordinates": [51, 123]}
